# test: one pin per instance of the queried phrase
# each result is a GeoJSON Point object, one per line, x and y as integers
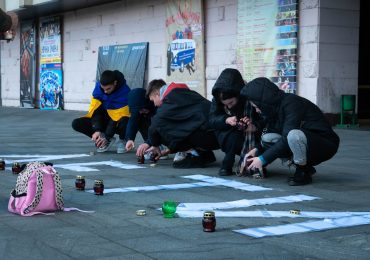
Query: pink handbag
{"type": "Point", "coordinates": [38, 191]}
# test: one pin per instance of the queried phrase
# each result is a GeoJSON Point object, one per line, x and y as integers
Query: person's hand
{"type": "Point", "coordinates": [130, 145]}
{"type": "Point", "coordinates": [231, 120]}
{"type": "Point", "coordinates": [142, 149]}
{"type": "Point", "coordinates": [252, 153]}
{"type": "Point", "coordinates": [255, 163]}
{"type": "Point", "coordinates": [156, 152]}
{"type": "Point", "coordinates": [95, 136]}
{"type": "Point", "coordinates": [99, 139]}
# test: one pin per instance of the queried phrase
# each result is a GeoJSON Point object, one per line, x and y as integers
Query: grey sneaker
{"type": "Point", "coordinates": [121, 146]}
{"type": "Point", "coordinates": [107, 146]}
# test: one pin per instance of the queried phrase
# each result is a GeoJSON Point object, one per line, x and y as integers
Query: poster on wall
{"type": "Point", "coordinates": [130, 59]}
{"type": "Point", "coordinates": [267, 41]}
{"type": "Point", "coordinates": [27, 64]}
{"type": "Point", "coordinates": [51, 73]}
{"type": "Point", "coordinates": [185, 38]}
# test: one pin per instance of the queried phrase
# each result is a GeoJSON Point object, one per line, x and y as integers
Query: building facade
{"type": "Point", "coordinates": [328, 46]}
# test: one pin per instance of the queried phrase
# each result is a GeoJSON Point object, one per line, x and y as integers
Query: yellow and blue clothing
{"type": "Point", "coordinates": [115, 103]}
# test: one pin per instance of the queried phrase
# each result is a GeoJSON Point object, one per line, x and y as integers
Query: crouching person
{"type": "Point", "coordinates": [108, 112]}
{"type": "Point", "coordinates": [295, 128]}
{"type": "Point", "coordinates": [234, 119]}
{"type": "Point", "coordinates": [180, 123]}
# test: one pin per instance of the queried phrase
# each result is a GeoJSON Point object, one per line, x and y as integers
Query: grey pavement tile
{"type": "Point", "coordinates": [114, 231]}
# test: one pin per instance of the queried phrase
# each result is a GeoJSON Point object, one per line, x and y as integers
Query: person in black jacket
{"type": "Point", "coordinates": [180, 123]}
{"type": "Point", "coordinates": [233, 118]}
{"type": "Point", "coordinates": [295, 128]}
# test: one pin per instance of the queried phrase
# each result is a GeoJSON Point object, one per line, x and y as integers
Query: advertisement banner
{"type": "Point", "coordinates": [185, 38]}
{"type": "Point", "coordinates": [51, 73]}
{"type": "Point", "coordinates": [130, 59]}
{"type": "Point", "coordinates": [28, 64]}
{"type": "Point", "coordinates": [267, 41]}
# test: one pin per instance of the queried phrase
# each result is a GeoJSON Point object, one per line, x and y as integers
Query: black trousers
{"type": "Point", "coordinates": [84, 126]}
{"type": "Point", "coordinates": [232, 144]}
{"type": "Point", "coordinates": [201, 140]}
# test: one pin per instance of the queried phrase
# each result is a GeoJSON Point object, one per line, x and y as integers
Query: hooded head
{"type": "Point", "coordinates": [264, 94]}
{"type": "Point", "coordinates": [229, 82]}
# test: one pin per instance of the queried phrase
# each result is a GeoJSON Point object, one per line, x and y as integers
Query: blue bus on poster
{"type": "Point", "coordinates": [182, 53]}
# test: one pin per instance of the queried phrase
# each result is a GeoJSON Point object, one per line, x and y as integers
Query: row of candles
{"type": "Point", "coordinates": [168, 207]}
{"type": "Point", "coordinates": [16, 167]}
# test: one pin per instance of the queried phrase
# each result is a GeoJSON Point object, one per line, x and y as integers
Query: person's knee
{"type": "Point", "coordinates": [75, 124]}
{"type": "Point", "coordinates": [270, 138]}
{"type": "Point", "coordinates": [296, 135]}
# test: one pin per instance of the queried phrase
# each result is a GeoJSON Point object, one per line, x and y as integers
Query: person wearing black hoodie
{"type": "Point", "coordinates": [295, 128]}
{"type": "Point", "coordinates": [233, 118]}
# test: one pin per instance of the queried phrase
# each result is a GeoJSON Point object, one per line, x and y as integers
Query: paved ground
{"type": "Point", "coordinates": [115, 232]}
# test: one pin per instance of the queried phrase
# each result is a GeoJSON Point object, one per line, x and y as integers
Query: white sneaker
{"type": "Point", "coordinates": [121, 146]}
{"type": "Point", "coordinates": [107, 146]}
{"type": "Point", "coordinates": [179, 156]}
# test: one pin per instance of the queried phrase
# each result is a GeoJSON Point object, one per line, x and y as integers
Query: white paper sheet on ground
{"type": "Point", "coordinates": [269, 214]}
{"type": "Point", "coordinates": [308, 226]}
{"type": "Point", "coordinates": [39, 157]}
{"type": "Point", "coordinates": [158, 187]}
{"type": "Point", "coordinates": [227, 183]}
{"type": "Point", "coordinates": [83, 167]}
{"type": "Point", "coordinates": [244, 203]}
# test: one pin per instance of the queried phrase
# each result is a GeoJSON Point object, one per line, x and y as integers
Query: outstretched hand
{"type": "Point", "coordinates": [130, 145]}
{"type": "Point", "coordinates": [142, 149]}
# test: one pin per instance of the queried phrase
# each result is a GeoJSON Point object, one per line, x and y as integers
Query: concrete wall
{"type": "Point", "coordinates": [338, 52]}
{"type": "Point", "coordinates": [327, 62]}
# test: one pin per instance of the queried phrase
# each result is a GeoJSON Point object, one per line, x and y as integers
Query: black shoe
{"type": "Point", "coordinates": [189, 162]}
{"type": "Point", "coordinates": [225, 172]}
{"type": "Point", "coordinates": [207, 156]}
{"type": "Point", "coordinates": [302, 176]}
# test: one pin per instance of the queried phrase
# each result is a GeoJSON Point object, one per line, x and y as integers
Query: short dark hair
{"type": "Point", "coordinates": [154, 85]}
{"type": "Point", "coordinates": [108, 77]}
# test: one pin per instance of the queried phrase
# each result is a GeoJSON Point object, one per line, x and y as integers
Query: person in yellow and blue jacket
{"type": "Point", "coordinates": [108, 112]}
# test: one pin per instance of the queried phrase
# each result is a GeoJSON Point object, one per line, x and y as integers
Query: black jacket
{"type": "Point", "coordinates": [182, 112]}
{"type": "Point", "coordinates": [284, 112]}
{"type": "Point", "coordinates": [229, 81]}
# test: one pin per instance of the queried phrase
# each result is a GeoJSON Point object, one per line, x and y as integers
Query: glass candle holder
{"type": "Point", "coordinates": [98, 187]}
{"type": "Point", "coordinates": [169, 209]}
{"type": "Point", "coordinates": [2, 165]}
{"type": "Point", "coordinates": [80, 182]}
{"type": "Point", "coordinates": [209, 221]}
{"type": "Point", "coordinates": [140, 159]}
{"type": "Point", "coordinates": [16, 168]}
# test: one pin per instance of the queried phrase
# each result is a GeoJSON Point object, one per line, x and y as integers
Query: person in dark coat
{"type": "Point", "coordinates": [231, 115]}
{"type": "Point", "coordinates": [295, 128]}
{"type": "Point", "coordinates": [180, 123]}
{"type": "Point", "coordinates": [141, 112]}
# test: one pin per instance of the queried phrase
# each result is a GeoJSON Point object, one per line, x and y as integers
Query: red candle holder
{"type": "Point", "coordinates": [16, 168]}
{"type": "Point", "coordinates": [2, 165]}
{"type": "Point", "coordinates": [98, 187]}
{"type": "Point", "coordinates": [209, 221]}
{"type": "Point", "coordinates": [80, 182]}
{"type": "Point", "coordinates": [140, 159]}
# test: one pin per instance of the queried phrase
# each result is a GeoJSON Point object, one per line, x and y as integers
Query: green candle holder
{"type": "Point", "coordinates": [169, 209]}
